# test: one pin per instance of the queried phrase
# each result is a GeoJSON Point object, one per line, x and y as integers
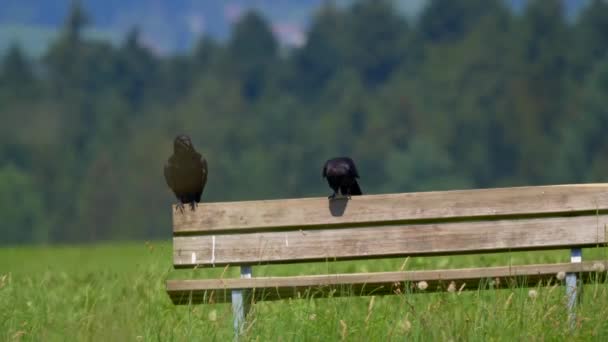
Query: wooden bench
{"type": "Point", "coordinates": [253, 233]}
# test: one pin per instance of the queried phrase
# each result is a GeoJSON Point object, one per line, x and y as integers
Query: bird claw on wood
{"type": "Point", "coordinates": [180, 207]}
{"type": "Point", "coordinates": [193, 205]}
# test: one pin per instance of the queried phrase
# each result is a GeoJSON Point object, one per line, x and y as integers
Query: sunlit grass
{"type": "Point", "coordinates": [116, 292]}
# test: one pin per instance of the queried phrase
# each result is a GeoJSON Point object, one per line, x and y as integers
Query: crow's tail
{"type": "Point", "coordinates": [355, 189]}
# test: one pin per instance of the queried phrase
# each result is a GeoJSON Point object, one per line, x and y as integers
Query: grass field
{"type": "Point", "coordinates": [115, 292]}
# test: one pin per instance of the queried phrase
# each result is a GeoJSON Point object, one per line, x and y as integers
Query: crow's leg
{"type": "Point", "coordinates": [332, 196]}
{"type": "Point", "coordinates": [193, 205]}
{"type": "Point", "coordinates": [344, 191]}
{"type": "Point", "coordinates": [349, 191]}
{"type": "Point", "coordinates": [180, 207]}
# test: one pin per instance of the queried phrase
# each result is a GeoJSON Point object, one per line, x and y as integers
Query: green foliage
{"type": "Point", "coordinates": [588, 135]}
{"type": "Point", "coordinates": [377, 39]}
{"type": "Point", "coordinates": [444, 21]}
{"type": "Point", "coordinates": [468, 95]}
{"type": "Point", "coordinates": [15, 70]}
{"type": "Point", "coordinates": [21, 207]}
{"type": "Point", "coordinates": [252, 51]}
{"type": "Point", "coordinates": [77, 19]}
{"type": "Point", "coordinates": [17, 80]}
{"type": "Point", "coordinates": [591, 42]}
{"type": "Point", "coordinates": [423, 166]}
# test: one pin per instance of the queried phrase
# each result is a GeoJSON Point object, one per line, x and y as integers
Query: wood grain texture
{"type": "Point", "coordinates": [395, 208]}
{"type": "Point", "coordinates": [379, 283]}
{"type": "Point", "coordinates": [384, 241]}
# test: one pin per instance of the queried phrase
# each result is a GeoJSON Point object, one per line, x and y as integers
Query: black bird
{"type": "Point", "coordinates": [186, 172]}
{"type": "Point", "coordinates": [341, 174]}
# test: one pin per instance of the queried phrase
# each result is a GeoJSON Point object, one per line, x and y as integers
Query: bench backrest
{"type": "Point", "coordinates": [424, 223]}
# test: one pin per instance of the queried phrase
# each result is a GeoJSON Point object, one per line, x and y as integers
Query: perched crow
{"type": "Point", "coordinates": [186, 172]}
{"type": "Point", "coordinates": [341, 174]}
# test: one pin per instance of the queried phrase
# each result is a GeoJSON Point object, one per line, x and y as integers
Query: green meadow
{"type": "Point", "coordinates": [115, 292]}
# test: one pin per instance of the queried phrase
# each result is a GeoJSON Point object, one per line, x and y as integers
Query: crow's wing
{"type": "Point", "coordinates": [170, 175]}
{"type": "Point", "coordinates": [204, 172]}
{"type": "Point", "coordinates": [324, 174]}
{"type": "Point", "coordinates": [355, 189]}
{"type": "Point", "coordinates": [352, 167]}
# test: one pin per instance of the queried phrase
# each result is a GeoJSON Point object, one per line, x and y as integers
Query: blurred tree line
{"type": "Point", "coordinates": [469, 95]}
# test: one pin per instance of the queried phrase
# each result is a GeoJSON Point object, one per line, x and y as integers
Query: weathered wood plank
{"type": "Point", "coordinates": [379, 283]}
{"type": "Point", "coordinates": [385, 241]}
{"type": "Point", "coordinates": [407, 207]}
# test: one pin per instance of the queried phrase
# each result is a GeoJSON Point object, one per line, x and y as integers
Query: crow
{"type": "Point", "coordinates": [341, 174]}
{"type": "Point", "coordinates": [186, 172]}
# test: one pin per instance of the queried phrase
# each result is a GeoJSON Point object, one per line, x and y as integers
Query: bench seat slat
{"type": "Point", "coordinates": [392, 240]}
{"type": "Point", "coordinates": [396, 208]}
{"type": "Point", "coordinates": [378, 283]}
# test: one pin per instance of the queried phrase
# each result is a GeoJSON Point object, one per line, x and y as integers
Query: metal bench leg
{"type": "Point", "coordinates": [576, 255]}
{"type": "Point", "coordinates": [240, 303]}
